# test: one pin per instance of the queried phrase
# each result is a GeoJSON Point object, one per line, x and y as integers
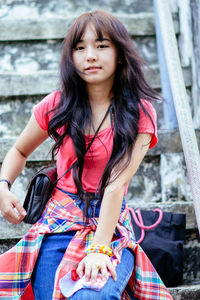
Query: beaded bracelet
{"type": "Point", "coordinates": [95, 248]}
{"type": "Point", "coordinates": [8, 182]}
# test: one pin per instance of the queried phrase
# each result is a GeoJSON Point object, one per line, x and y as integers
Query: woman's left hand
{"type": "Point", "coordinates": [93, 263]}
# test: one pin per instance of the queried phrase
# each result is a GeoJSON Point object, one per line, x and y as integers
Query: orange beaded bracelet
{"type": "Point", "coordinates": [95, 248]}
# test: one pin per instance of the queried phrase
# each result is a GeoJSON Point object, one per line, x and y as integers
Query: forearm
{"type": "Point", "coordinates": [10, 206]}
{"type": "Point", "coordinates": [109, 215]}
{"type": "Point", "coordinates": [13, 165]}
{"type": "Point", "coordinates": [113, 195]}
{"type": "Point", "coordinates": [15, 160]}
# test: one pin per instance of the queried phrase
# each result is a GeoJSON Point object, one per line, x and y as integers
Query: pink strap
{"type": "Point", "coordinates": [139, 221]}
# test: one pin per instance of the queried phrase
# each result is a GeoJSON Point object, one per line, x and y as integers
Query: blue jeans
{"type": "Point", "coordinates": [51, 253]}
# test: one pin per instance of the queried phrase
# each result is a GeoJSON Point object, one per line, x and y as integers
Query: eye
{"type": "Point", "coordinates": [78, 48]}
{"type": "Point", "coordinates": [101, 46]}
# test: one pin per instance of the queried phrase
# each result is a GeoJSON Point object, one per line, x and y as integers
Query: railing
{"type": "Point", "coordinates": [174, 89]}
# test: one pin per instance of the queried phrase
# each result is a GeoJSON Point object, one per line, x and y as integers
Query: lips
{"type": "Point", "coordinates": [93, 68]}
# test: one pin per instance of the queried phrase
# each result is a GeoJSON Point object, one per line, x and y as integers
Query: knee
{"type": "Point", "coordinates": [84, 294]}
{"type": "Point", "coordinates": [103, 294]}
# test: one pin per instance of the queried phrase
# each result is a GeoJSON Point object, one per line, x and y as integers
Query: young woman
{"type": "Point", "coordinates": [102, 85]}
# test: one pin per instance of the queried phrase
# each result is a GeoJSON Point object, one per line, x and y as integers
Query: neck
{"type": "Point", "coordinates": [99, 95]}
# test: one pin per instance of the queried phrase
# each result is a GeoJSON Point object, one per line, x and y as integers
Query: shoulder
{"type": "Point", "coordinates": [45, 105]}
{"type": "Point", "coordinates": [51, 100]}
{"type": "Point", "coordinates": [147, 109]}
{"type": "Point", "coordinates": [148, 120]}
{"type": "Point", "coordinates": [147, 106]}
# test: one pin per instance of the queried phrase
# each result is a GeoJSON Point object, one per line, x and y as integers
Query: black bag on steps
{"type": "Point", "coordinates": [164, 244]}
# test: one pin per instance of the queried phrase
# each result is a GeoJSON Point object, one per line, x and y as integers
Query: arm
{"type": "Point", "coordinates": [115, 191]}
{"type": "Point", "coordinates": [110, 210]}
{"type": "Point", "coordinates": [13, 164]}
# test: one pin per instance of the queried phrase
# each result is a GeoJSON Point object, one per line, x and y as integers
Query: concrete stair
{"type": "Point", "coordinates": [30, 43]}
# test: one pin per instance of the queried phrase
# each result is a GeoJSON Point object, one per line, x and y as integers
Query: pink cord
{"type": "Point", "coordinates": [139, 221]}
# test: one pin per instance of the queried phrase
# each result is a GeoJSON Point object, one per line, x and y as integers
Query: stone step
{"type": "Point", "coordinates": [15, 111]}
{"type": "Point", "coordinates": [169, 142]}
{"type": "Point", "coordinates": [10, 231]}
{"type": "Point", "coordinates": [186, 292]}
{"type": "Point", "coordinates": [10, 234]}
{"type": "Point", "coordinates": [18, 9]}
{"type": "Point", "coordinates": [16, 83]}
{"type": "Point", "coordinates": [45, 55]}
{"type": "Point", "coordinates": [55, 27]}
{"type": "Point", "coordinates": [161, 177]}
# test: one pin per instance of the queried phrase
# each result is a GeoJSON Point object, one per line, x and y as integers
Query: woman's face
{"type": "Point", "coordinates": [96, 59]}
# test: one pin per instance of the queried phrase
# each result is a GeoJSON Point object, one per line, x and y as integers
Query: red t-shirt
{"type": "Point", "coordinates": [98, 155]}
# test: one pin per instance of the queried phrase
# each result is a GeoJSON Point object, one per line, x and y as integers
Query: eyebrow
{"type": "Point", "coordinates": [97, 40]}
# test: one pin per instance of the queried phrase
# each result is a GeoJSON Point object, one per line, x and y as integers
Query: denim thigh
{"type": "Point", "coordinates": [112, 289]}
{"type": "Point", "coordinates": [51, 253]}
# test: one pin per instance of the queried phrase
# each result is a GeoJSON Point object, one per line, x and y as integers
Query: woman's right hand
{"type": "Point", "coordinates": [11, 207]}
{"type": "Point", "coordinates": [31, 137]}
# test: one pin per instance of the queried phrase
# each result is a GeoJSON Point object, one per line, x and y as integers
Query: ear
{"type": "Point", "coordinates": [119, 60]}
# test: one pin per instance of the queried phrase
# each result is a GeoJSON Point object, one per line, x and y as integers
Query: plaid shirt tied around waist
{"type": "Point", "coordinates": [61, 215]}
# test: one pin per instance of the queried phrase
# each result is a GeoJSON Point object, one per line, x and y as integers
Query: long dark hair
{"type": "Point", "coordinates": [74, 112]}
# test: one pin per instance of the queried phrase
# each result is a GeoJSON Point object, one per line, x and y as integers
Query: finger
{"type": "Point", "coordinates": [10, 215]}
{"type": "Point", "coordinates": [80, 269]}
{"type": "Point", "coordinates": [87, 272]}
{"type": "Point", "coordinates": [20, 209]}
{"type": "Point", "coordinates": [104, 272]}
{"type": "Point", "coordinates": [94, 272]}
{"type": "Point", "coordinates": [111, 268]}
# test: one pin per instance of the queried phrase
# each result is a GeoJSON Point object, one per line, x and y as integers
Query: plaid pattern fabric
{"type": "Point", "coordinates": [61, 215]}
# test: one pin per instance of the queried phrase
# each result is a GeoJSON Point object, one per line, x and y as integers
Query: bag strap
{"type": "Point", "coordinates": [139, 221]}
{"type": "Point", "coordinates": [88, 147]}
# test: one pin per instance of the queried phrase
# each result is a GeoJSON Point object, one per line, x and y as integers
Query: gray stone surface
{"type": "Point", "coordinates": [191, 249]}
{"type": "Point", "coordinates": [13, 83]}
{"type": "Point", "coordinates": [6, 245]}
{"type": "Point", "coordinates": [174, 180]}
{"type": "Point", "coordinates": [29, 83]}
{"type": "Point", "coordinates": [9, 231]}
{"type": "Point", "coordinates": [40, 154]}
{"type": "Point", "coordinates": [181, 207]}
{"type": "Point", "coordinates": [56, 27]}
{"type": "Point", "coordinates": [14, 115]}
{"type": "Point", "coordinates": [191, 260]}
{"type": "Point", "coordinates": [168, 142]}
{"type": "Point", "coordinates": [15, 112]}
{"type": "Point", "coordinates": [46, 8]}
{"type": "Point", "coordinates": [144, 187]}
{"type": "Point", "coordinates": [32, 56]}
{"type": "Point", "coordinates": [186, 292]}
{"type": "Point", "coordinates": [45, 55]}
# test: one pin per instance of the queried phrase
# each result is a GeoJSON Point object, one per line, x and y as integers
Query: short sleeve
{"type": "Point", "coordinates": [147, 125]}
{"type": "Point", "coordinates": [40, 110]}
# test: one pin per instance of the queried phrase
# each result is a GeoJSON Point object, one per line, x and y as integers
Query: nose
{"type": "Point", "coordinates": [91, 54]}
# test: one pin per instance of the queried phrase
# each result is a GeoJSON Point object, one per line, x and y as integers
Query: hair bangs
{"type": "Point", "coordinates": [103, 23]}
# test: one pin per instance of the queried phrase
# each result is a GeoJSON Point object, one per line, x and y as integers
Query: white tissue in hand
{"type": "Point", "coordinates": [68, 286]}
